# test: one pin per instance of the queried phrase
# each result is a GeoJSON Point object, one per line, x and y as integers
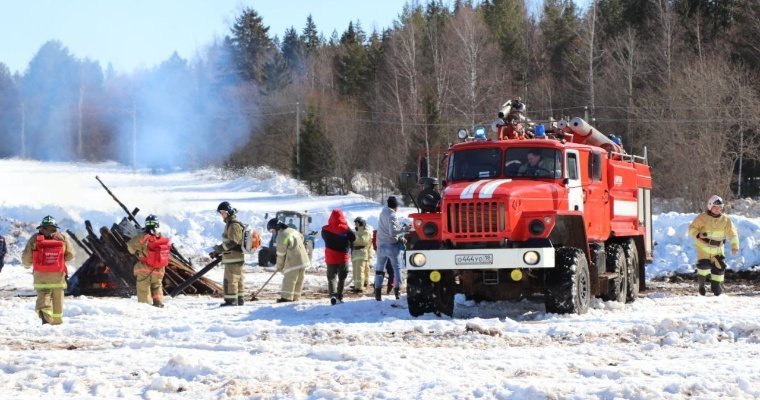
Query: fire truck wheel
{"type": "Point", "coordinates": [632, 258]}
{"type": "Point", "coordinates": [568, 285]}
{"type": "Point", "coordinates": [264, 257]}
{"type": "Point", "coordinates": [445, 293]}
{"type": "Point", "coordinates": [419, 293]}
{"type": "Point", "coordinates": [617, 263]}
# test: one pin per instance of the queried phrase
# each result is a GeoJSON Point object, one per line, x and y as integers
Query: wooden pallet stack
{"type": "Point", "coordinates": [108, 270]}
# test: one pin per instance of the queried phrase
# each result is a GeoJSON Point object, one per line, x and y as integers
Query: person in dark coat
{"type": "Point", "coordinates": [338, 239]}
{"type": "Point", "coordinates": [3, 251]}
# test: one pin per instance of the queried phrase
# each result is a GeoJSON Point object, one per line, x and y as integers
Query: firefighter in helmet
{"type": "Point", "coordinates": [47, 253]}
{"type": "Point", "coordinates": [152, 251]}
{"type": "Point", "coordinates": [231, 251]}
{"type": "Point", "coordinates": [710, 231]}
{"type": "Point", "coordinates": [361, 253]}
{"type": "Point", "coordinates": [292, 259]}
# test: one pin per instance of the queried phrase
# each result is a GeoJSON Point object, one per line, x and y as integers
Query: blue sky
{"type": "Point", "coordinates": [132, 34]}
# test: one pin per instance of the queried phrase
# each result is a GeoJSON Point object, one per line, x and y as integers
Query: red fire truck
{"type": "Point", "coordinates": [566, 215]}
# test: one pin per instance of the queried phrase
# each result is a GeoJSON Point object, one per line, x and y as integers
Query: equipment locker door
{"type": "Point", "coordinates": [573, 176]}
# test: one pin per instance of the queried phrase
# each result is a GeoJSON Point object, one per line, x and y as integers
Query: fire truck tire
{"type": "Point", "coordinates": [632, 258]}
{"type": "Point", "coordinates": [446, 289]}
{"type": "Point", "coordinates": [419, 294]}
{"type": "Point", "coordinates": [568, 285]}
{"type": "Point", "coordinates": [264, 257]}
{"type": "Point", "coordinates": [617, 263]}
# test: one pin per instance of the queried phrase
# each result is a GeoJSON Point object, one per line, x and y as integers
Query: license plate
{"type": "Point", "coordinates": [473, 259]}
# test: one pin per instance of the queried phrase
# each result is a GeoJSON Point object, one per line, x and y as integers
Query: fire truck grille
{"type": "Point", "coordinates": [475, 219]}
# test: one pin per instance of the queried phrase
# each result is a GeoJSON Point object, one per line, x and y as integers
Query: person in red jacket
{"type": "Point", "coordinates": [338, 239]}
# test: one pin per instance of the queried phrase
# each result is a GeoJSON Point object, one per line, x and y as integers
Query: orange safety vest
{"type": "Point", "coordinates": [157, 255]}
{"type": "Point", "coordinates": [48, 255]}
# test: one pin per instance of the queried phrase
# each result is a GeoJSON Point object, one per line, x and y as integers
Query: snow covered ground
{"type": "Point", "coordinates": [668, 344]}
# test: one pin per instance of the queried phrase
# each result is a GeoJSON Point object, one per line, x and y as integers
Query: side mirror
{"type": "Point", "coordinates": [566, 181]}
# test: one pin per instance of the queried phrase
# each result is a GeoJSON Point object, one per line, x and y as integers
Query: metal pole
{"type": "Point", "coordinates": [298, 141]}
{"type": "Point", "coordinates": [741, 150]}
{"type": "Point", "coordinates": [741, 144]}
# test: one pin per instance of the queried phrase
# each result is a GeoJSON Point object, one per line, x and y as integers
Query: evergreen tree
{"type": "Point", "coordinates": [310, 37]}
{"type": "Point", "coordinates": [253, 47]}
{"type": "Point", "coordinates": [506, 20]}
{"type": "Point", "coordinates": [316, 151]}
{"type": "Point", "coordinates": [50, 88]}
{"type": "Point", "coordinates": [292, 49]}
{"type": "Point", "coordinates": [616, 15]}
{"type": "Point", "coordinates": [10, 114]}
{"type": "Point", "coordinates": [559, 24]}
{"type": "Point", "coordinates": [351, 63]}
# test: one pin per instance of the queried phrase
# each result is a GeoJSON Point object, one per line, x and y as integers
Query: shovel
{"type": "Point", "coordinates": [254, 297]}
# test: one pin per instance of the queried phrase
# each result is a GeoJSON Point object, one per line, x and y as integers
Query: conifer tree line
{"type": "Point", "coordinates": [676, 76]}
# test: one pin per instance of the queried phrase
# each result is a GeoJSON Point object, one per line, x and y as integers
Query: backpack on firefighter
{"type": "Point", "coordinates": [158, 250]}
{"type": "Point", "coordinates": [251, 239]}
{"type": "Point", "coordinates": [48, 255]}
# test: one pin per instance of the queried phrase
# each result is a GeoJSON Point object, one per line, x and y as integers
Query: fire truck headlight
{"type": "Point", "coordinates": [531, 257]}
{"type": "Point", "coordinates": [430, 229]}
{"type": "Point", "coordinates": [418, 259]}
{"type": "Point", "coordinates": [536, 227]}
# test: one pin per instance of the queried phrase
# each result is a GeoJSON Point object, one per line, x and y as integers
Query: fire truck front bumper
{"type": "Point", "coordinates": [538, 257]}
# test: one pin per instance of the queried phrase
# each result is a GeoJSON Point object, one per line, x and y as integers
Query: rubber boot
{"type": "Point", "coordinates": [42, 317]}
{"type": "Point", "coordinates": [228, 302]}
{"type": "Point", "coordinates": [333, 300]}
{"type": "Point", "coordinates": [717, 288]}
{"type": "Point", "coordinates": [379, 294]}
{"type": "Point", "coordinates": [241, 300]}
{"type": "Point", "coordinates": [397, 293]}
{"type": "Point", "coordinates": [701, 279]}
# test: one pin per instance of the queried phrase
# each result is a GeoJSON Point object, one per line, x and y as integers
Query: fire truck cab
{"type": "Point", "coordinates": [567, 216]}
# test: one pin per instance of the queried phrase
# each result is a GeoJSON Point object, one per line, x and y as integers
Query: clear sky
{"type": "Point", "coordinates": [142, 33]}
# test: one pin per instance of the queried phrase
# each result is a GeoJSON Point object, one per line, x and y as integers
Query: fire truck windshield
{"type": "Point", "coordinates": [533, 162]}
{"type": "Point", "coordinates": [475, 164]}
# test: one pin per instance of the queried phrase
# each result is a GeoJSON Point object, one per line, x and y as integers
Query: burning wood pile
{"type": "Point", "coordinates": [108, 270]}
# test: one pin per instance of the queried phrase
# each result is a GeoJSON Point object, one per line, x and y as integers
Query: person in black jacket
{"type": "Point", "coordinates": [3, 251]}
{"type": "Point", "coordinates": [338, 239]}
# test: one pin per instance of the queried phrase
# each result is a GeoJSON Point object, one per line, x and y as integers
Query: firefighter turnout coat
{"type": "Point", "coordinates": [292, 260]}
{"type": "Point", "coordinates": [710, 232]}
{"type": "Point", "coordinates": [149, 280]}
{"type": "Point", "coordinates": [231, 248]}
{"type": "Point", "coordinates": [49, 281]}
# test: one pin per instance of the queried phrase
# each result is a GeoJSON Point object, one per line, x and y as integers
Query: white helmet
{"type": "Point", "coordinates": [715, 200]}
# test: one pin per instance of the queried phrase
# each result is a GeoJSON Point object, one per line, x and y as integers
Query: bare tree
{"type": "Point", "coordinates": [474, 62]}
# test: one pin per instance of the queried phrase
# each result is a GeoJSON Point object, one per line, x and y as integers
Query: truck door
{"type": "Point", "coordinates": [573, 176]}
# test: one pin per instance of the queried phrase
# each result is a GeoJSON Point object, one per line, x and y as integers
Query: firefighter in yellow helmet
{"type": "Point", "coordinates": [152, 251]}
{"type": "Point", "coordinates": [47, 253]}
{"type": "Point", "coordinates": [292, 259]}
{"type": "Point", "coordinates": [710, 231]}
